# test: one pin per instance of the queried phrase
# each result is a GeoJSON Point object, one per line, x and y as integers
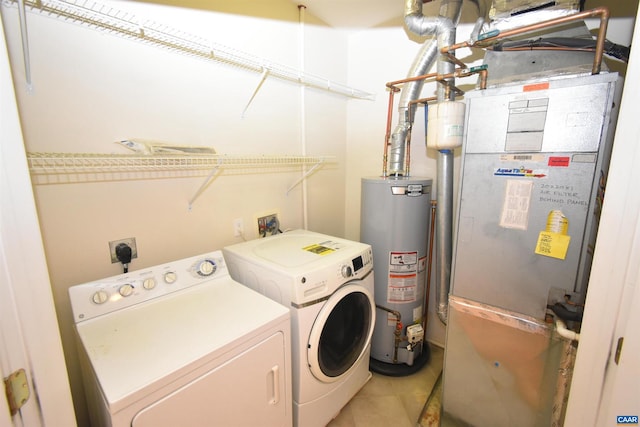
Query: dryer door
{"type": "Point", "coordinates": [341, 333]}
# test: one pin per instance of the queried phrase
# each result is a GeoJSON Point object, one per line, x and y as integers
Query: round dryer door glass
{"type": "Point", "coordinates": [341, 332]}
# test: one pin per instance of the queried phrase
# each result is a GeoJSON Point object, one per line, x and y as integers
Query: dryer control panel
{"type": "Point", "coordinates": [104, 296]}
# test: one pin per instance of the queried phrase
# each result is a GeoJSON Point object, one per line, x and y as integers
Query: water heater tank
{"type": "Point", "coordinates": [395, 218]}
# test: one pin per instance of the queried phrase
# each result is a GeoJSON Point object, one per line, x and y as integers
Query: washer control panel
{"type": "Point", "coordinates": [104, 296]}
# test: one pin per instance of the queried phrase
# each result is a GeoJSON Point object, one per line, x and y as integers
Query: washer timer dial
{"type": "Point", "coordinates": [346, 271]}
{"type": "Point", "coordinates": [206, 268]}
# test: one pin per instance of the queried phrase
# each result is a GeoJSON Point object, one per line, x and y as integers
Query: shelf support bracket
{"type": "Point", "coordinates": [206, 183]}
{"type": "Point", "coordinates": [263, 77]}
{"type": "Point", "coordinates": [305, 175]}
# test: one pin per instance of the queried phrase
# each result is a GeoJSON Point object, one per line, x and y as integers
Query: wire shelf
{"type": "Point", "coordinates": [127, 25]}
{"type": "Point", "coordinates": [72, 163]}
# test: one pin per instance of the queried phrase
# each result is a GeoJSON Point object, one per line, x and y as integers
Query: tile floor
{"type": "Point", "coordinates": [392, 401]}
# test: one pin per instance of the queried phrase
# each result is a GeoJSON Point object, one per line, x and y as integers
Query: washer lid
{"type": "Point", "coordinates": [300, 247]}
{"type": "Point", "coordinates": [143, 345]}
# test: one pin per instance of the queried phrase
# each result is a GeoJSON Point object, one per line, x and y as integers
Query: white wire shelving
{"type": "Point", "coordinates": [65, 168]}
{"type": "Point", "coordinates": [61, 163]}
{"type": "Point", "coordinates": [118, 22]}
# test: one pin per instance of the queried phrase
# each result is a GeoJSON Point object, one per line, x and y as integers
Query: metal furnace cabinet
{"type": "Point", "coordinates": [532, 183]}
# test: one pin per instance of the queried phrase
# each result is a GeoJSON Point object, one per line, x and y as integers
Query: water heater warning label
{"type": "Point", "coordinates": [403, 277]}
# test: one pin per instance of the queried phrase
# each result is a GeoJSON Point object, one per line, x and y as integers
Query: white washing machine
{"type": "Point", "coordinates": [182, 344]}
{"type": "Point", "coordinates": [327, 282]}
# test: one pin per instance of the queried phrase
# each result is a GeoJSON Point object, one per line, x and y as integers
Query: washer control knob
{"type": "Point", "coordinates": [125, 290]}
{"type": "Point", "coordinates": [346, 271]}
{"type": "Point", "coordinates": [100, 297]}
{"type": "Point", "coordinates": [170, 277]}
{"type": "Point", "coordinates": [149, 283]}
{"type": "Point", "coordinates": [206, 268]}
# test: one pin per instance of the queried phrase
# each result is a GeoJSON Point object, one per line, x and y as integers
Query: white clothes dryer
{"type": "Point", "coordinates": [182, 344]}
{"type": "Point", "coordinates": [327, 283]}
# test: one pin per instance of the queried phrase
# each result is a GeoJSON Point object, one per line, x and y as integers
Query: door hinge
{"type": "Point", "coordinates": [618, 350]}
{"type": "Point", "coordinates": [16, 388]}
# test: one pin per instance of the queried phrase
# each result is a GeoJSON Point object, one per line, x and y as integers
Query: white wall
{"type": "Point", "coordinates": [91, 89]}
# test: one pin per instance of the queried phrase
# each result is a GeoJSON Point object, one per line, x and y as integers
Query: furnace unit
{"type": "Point", "coordinates": [532, 183]}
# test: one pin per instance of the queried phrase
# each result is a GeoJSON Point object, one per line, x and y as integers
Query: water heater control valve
{"type": "Point", "coordinates": [415, 333]}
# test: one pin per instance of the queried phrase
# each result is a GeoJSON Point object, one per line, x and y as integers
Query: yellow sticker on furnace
{"type": "Point", "coordinates": [554, 245]}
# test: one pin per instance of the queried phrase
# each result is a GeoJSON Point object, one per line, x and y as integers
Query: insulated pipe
{"type": "Point", "coordinates": [443, 27]}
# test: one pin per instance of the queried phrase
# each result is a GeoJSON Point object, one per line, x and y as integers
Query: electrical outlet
{"type": "Point", "coordinates": [268, 225]}
{"type": "Point", "coordinates": [238, 227]}
{"type": "Point", "coordinates": [131, 241]}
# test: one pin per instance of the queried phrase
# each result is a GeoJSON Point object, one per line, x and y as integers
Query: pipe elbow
{"type": "Point", "coordinates": [564, 332]}
{"type": "Point", "coordinates": [428, 25]}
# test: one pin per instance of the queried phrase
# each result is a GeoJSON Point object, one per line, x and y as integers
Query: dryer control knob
{"type": "Point", "coordinates": [149, 283]}
{"type": "Point", "coordinates": [346, 271]}
{"type": "Point", "coordinates": [126, 290]}
{"type": "Point", "coordinates": [100, 297]}
{"type": "Point", "coordinates": [170, 277]}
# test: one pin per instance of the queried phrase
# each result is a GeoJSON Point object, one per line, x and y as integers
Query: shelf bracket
{"type": "Point", "coordinates": [263, 77]}
{"type": "Point", "coordinates": [206, 183]}
{"type": "Point", "coordinates": [306, 174]}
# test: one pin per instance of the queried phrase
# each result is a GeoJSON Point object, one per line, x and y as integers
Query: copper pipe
{"type": "Point", "coordinates": [573, 49]}
{"type": "Point", "coordinates": [397, 333]}
{"type": "Point", "coordinates": [440, 78]}
{"type": "Point", "coordinates": [410, 79]}
{"type": "Point", "coordinates": [387, 135]}
{"type": "Point", "coordinates": [434, 203]}
{"type": "Point", "coordinates": [425, 100]}
{"type": "Point", "coordinates": [483, 79]}
{"type": "Point", "coordinates": [603, 12]}
{"type": "Point", "coordinates": [407, 152]}
{"type": "Point", "coordinates": [451, 57]}
{"type": "Point", "coordinates": [445, 50]}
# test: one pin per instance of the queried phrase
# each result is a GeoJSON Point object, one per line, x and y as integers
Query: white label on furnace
{"type": "Point", "coordinates": [515, 207]}
{"type": "Point", "coordinates": [403, 277]}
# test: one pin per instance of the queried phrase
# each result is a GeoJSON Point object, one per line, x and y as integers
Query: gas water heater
{"type": "Point", "coordinates": [533, 168]}
{"type": "Point", "coordinates": [395, 218]}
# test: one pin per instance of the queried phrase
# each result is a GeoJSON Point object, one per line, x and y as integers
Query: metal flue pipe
{"type": "Point", "coordinates": [443, 28]}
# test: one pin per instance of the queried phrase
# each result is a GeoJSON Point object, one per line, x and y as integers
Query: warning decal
{"type": "Point", "coordinates": [403, 277]}
{"type": "Point", "coordinates": [516, 203]}
{"type": "Point", "coordinates": [324, 248]}
{"type": "Point", "coordinates": [319, 249]}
